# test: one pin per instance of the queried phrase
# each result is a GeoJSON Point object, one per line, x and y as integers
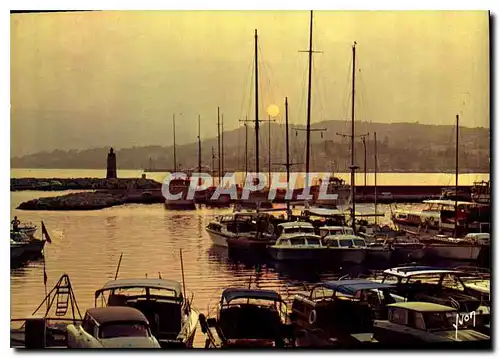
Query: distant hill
{"type": "Point", "coordinates": [401, 147]}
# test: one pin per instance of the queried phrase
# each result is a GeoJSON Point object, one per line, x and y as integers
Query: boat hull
{"type": "Point", "coordinates": [348, 255]}
{"type": "Point", "coordinates": [33, 248]}
{"type": "Point", "coordinates": [408, 252]}
{"type": "Point", "coordinates": [455, 252]}
{"type": "Point", "coordinates": [284, 254]}
{"type": "Point", "coordinates": [218, 238]}
{"type": "Point", "coordinates": [375, 254]}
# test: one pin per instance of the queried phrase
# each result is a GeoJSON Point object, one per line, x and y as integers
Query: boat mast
{"type": "Point", "coordinates": [175, 158]}
{"type": "Point", "coordinates": [353, 167]}
{"type": "Point", "coordinates": [222, 144]}
{"type": "Point", "coordinates": [256, 104]}
{"type": "Point", "coordinates": [269, 150]}
{"type": "Point", "coordinates": [199, 146]}
{"type": "Point", "coordinates": [287, 157]}
{"type": "Point", "coordinates": [218, 144]}
{"type": "Point", "coordinates": [375, 175]}
{"type": "Point", "coordinates": [308, 127]}
{"type": "Point", "coordinates": [246, 148]}
{"type": "Point", "coordinates": [456, 180]}
{"type": "Point", "coordinates": [213, 160]}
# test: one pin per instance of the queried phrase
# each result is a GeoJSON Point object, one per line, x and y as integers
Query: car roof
{"type": "Point", "coordinates": [103, 315]}
{"type": "Point", "coordinates": [422, 306]}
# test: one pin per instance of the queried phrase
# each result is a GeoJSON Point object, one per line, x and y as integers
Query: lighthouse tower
{"type": "Point", "coordinates": [111, 171]}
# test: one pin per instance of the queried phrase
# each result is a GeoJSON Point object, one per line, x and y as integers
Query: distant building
{"type": "Point", "coordinates": [111, 172]}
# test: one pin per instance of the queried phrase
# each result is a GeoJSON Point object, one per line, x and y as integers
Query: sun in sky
{"type": "Point", "coordinates": [273, 110]}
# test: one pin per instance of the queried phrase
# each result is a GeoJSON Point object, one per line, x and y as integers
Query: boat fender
{"type": "Point", "coordinates": [312, 317]}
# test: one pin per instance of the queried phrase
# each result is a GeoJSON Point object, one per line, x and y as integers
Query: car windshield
{"type": "Point", "coordinates": [439, 320]}
{"type": "Point", "coordinates": [123, 329]}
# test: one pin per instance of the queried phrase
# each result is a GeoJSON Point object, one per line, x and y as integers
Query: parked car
{"type": "Point", "coordinates": [112, 327]}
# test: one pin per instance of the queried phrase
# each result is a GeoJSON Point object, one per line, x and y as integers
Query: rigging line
{"type": "Point", "coordinates": [249, 68]}
{"type": "Point", "coordinates": [251, 96]}
{"type": "Point", "coordinates": [264, 77]}
{"type": "Point", "coordinates": [347, 98]}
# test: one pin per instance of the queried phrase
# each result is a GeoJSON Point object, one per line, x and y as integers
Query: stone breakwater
{"type": "Point", "coordinates": [93, 200]}
{"type": "Point", "coordinates": [58, 184]}
{"type": "Point", "coordinates": [98, 193]}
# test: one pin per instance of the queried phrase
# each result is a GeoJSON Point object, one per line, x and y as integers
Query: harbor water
{"type": "Point", "coordinates": [87, 245]}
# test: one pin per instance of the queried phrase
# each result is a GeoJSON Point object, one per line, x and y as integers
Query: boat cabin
{"type": "Point", "coordinates": [344, 242]}
{"type": "Point", "coordinates": [161, 301]}
{"type": "Point", "coordinates": [299, 241]}
{"type": "Point", "coordinates": [249, 314]}
{"type": "Point", "coordinates": [431, 284]}
{"type": "Point", "coordinates": [335, 230]}
{"type": "Point", "coordinates": [295, 227]}
{"type": "Point", "coordinates": [343, 306]}
{"type": "Point", "coordinates": [424, 322]}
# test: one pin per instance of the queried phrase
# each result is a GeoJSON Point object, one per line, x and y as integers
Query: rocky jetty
{"type": "Point", "coordinates": [76, 201]}
{"type": "Point", "coordinates": [57, 184]}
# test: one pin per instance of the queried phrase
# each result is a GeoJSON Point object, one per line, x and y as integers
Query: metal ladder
{"type": "Point", "coordinates": [62, 298]}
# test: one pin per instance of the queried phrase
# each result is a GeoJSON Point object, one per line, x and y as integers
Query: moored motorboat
{"type": "Point", "coordinates": [339, 313]}
{"type": "Point", "coordinates": [172, 318]}
{"type": "Point", "coordinates": [444, 247]}
{"type": "Point", "coordinates": [238, 224]}
{"type": "Point", "coordinates": [343, 245]}
{"type": "Point", "coordinates": [430, 284]}
{"type": "Point", "coordinates": [247, 318]}
{"type": "Point", "coordinates": [22, 246]}
{"type": "Point", "coordinates": [298, 247]}
{"type": "Point", "coordinates": [379, 250]}
{"type": "Point", "coordinates": [411, 324]}
{"type": "Point", "coordinates": [407, 248]}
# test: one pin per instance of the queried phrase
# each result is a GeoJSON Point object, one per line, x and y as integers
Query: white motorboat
{"type": "Point", "coordinates": [299, 246]}
{"type": "Point", "coordinates": [444, 247]}
{"type": "Point", "coordinates": [343, 245]}
{"type": "Point", "coordinates": [237, 224]}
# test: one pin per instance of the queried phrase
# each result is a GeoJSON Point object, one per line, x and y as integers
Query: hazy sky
{"type": "Point", "coordinates": [80, 80]}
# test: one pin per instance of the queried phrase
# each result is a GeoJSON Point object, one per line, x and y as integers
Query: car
{"type": "Point", "coordinates": [111, 327]}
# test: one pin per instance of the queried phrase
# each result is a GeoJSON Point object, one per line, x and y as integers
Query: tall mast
{"type": "Point", "coordinates": [269, 151]}
{"type": "Point", "coordinates": [287, 155]}
{"type": "Point", "coordinates": [175, 158]}
{"type": "Point", "coordinates": [199, 145]}
{"type": "Point", "coordinates": [218, 144]}
{"type": "Point", "coordinates": [256, 104]}
{"type": "Point", "coordinates": [456, 180]}
{"type": "Point", "coordinates": [246, 148]}
{"type": "Point", "coordinates": [213, 162]}
{"type": "Point", "coordinates": [353, 168]}
{"type": "Point", "coordinates": [222, 144]}
{"type": "Point", "coordinates": [375, 174]}
{"type": "Point", "coordinates": [308, 127]}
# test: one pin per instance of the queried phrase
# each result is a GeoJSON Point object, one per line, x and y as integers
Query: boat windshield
{"type": "Point", "coordinates": [297, 241]}
{"type": "Point", "coordinates": [345, 243]}
{"type": "Point", "coordinates": [439, 320]}
{"type": "Point", "coordinates": [313, 241]}
{"type": "Point", "coordinates": [359, 242]}
{"type": "Point", "coordinates": [123, 329]}
{"type": "Point", "coordinates": [294, 230]}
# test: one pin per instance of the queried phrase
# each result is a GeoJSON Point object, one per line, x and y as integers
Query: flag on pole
{"type": "Point", "coordinates": [45, 233]}
{"type": "Point", "coordinates": [44, 275]}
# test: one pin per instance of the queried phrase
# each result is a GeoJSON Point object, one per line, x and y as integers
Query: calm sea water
{"type": "Point", "coordinates": [87, 246]}
{"type": "Point", "coordinates": [443, 179]}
